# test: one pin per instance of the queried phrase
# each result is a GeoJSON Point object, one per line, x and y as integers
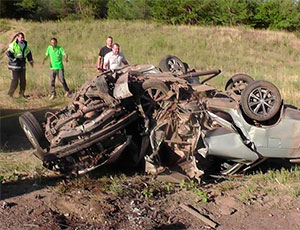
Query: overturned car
{"type": "Point", "coordinates": [167, 117]}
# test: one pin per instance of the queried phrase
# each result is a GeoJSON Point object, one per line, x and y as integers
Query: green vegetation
{"type": "Point", "coordinates": [194, 187]}
{"type": "Point", "coordinates": [267, 55]}
{"type": "Point", "coordinates": [263, 54]}
{"type": "Point", "coordinates": [226, 186]}
{"type": "Point", "coordinates": [271, 14]}
{"type": "Point", "coordinates": [145, 187]}
{"type": "Point", "coordinates": [274, 183]}
{"type": "Point", "coordinates": [14, 167]}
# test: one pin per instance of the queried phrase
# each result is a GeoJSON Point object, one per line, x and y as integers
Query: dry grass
{"type": "Point", "coordinates": [18, 165]}
{"type": "Point", "coordinates": [267, 55]}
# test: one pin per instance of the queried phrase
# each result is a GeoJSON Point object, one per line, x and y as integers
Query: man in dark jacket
{"type": "Point", "coordinates": [17, 53]}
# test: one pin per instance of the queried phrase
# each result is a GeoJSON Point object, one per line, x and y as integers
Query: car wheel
{"type": "Point", "coordinates": [172, 64]}
{"type": "Point", "coordinates": [154, 93]}
{"type": "Point", "coordinates": [34, 133]}
{"type": "Point", "coordinates": [261, 100]}
{"type": "Point", "coordinates": [238, 83]}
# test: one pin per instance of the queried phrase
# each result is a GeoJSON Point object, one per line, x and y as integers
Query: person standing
{"type": "Point", "coordinates": [114, 59]}
{"type": "Point", "coordinates": [56, 52]}
{"type": "Point", "coordinates": [17, 53]}
{"type": "Point", "coordinates": [103, 51]}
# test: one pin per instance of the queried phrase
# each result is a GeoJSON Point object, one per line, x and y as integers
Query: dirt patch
{"type": "Point", "coordinates": [99, 201]}
{"type": "Point", "coordinates": [68, 204]}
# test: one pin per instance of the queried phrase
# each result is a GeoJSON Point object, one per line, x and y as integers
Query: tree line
{"type": "Point", "coordinates": [263, 14]}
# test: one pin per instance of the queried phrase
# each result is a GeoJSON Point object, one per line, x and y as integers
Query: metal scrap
{"type": "Point", "coordinates": [142, 114]}
{"type": "Point", "coordinates": [197, 214]}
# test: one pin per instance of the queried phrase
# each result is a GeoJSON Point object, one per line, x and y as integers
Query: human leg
{"type": "Point", "coordinates": [52, 81]}
{"type": "Point", "coordinates": [61, 77]}
{"type": "Point", "coordinates": [14, 82]}
{"type": "Point", "coordinates": [22, 82]}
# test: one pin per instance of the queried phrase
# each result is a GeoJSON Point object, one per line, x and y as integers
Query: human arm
{"type": "Point", "coordinates": [46, 57]}
{"type": "Point", "coordinates": [62, 53]}
{"type": "Point", "coordinates": [30, 59]}
{"type": "Point", "coordinates": [124, 61]}
{"type": "Point", "coordinates": [106, 61]}
{"type": "Point", "coordinates": [10, 53]}
{"type": "Point", "coordinates": [66, 58]}
{"type": "Point", "coordinates": [31, 63]}
{"type": "Point", "coordinates": [105, 65]}
{"type": "Point", "coordinates": [99, 61]}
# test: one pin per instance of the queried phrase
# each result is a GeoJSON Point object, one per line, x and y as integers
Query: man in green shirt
{"type": "Point", "coordinates": [56, 53]}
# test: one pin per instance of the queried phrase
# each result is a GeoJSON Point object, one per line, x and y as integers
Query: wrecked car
{"type": "Point", "coordinates": [167, 117]}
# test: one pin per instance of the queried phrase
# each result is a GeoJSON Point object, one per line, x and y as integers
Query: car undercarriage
{"type": "Point", "coordinates": [166, 118]}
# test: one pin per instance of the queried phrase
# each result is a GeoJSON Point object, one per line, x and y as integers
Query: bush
{"type": "Point", "coordinates": [266, 14]}
{"type": "Point", "coordinates": [129, 10]}
{"type": "Point", "coordinates": [278, 14]}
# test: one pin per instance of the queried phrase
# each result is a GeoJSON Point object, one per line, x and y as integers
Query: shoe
{"type": "Point", "coordinates": [23, 96]}
{"type": "Point", "coordinates": [68, 94]}
{"type": "Point", "coordinates": [52, 96]}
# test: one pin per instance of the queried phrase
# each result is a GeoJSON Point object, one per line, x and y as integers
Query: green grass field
{"type": "Point", "coordinates": [267, 55]}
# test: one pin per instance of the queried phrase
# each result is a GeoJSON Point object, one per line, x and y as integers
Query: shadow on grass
{"type": "Point", "coordinates": [27, 185]}
{"type": "Point", "coordinates": [12, 137]}
{"type": "Point", "coordinates": [213, 175]}
{"type": "Point", "coordinates": [24, 186]}
{"type": "Point", "coordinates": [272, 164]}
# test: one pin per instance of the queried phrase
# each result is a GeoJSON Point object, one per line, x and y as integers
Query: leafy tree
{"type": "Point", "coordinates": [10, 9]}
{"type": "Point", "coordinates": [167, 10]}
{"type": "Point", "coordinates": [7, 8]}
{"type": "Point", "coordinates": [272, 14]}
{"type": "Point", "coordinates": [277, 14]}
{"type": "Point", "coordinates": [231, 12]}
{"type": "Point", "coordinates": [129, 9]}
{"type": "Point", "coordinates": [90, 8]}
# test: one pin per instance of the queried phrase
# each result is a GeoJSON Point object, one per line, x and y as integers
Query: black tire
{"type": "Point", "coordinates": [172, 64]}
{"type": "Point", "coordinates": [154, 93]}
{"type": "Point", "coordinates": [261, 100]}
{"type": "Point", "coordinates": [238, 83]}
{"type": "Point", "coordinates": [34, 133]}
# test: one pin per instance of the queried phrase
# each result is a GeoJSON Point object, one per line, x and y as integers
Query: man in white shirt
{"type": "Point", "coordinates": [114, 59]}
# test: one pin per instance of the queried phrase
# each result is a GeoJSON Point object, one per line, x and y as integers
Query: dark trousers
{"type": "Point", "coordinates": [16, 76]}
{"type": "Point", "coordinates": [61, 78]}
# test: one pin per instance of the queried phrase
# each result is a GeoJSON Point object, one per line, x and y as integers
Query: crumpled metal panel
{"type": "Point", "coordinates": [229, 146]}
{"type": "Point", "coordinates": [279, 140]}
{"type": "Point", "coordinates": [191, 123]}
{"type": "Point", "coordinates": [121, 90]}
